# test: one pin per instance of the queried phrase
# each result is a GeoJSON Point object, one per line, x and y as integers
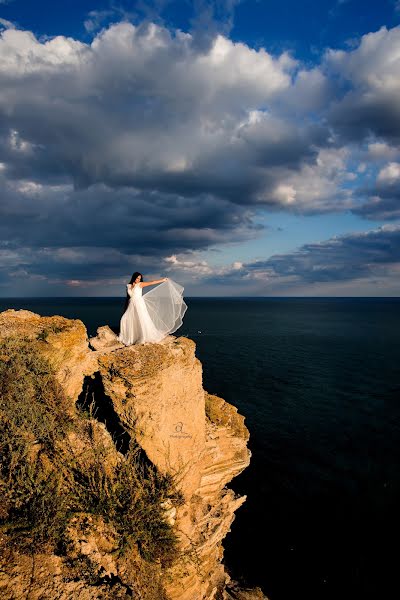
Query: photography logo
{"type": "Point", "coordinates": [179, 431]}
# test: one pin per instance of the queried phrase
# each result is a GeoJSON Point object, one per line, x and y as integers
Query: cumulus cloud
{"type": "Point", "coordinates": [389, 174]}
{"type": "Point", "coordinates": [382, 151]}
{"type": "Point", "coordinates": [139, 107]}
{"type": "Point", "coordinates": [315, 188]}
{"type": "Point", "coordinates": [139, 141]}
{"type": "Point", "coordinates": [142, 106]}
{"type": "Point", "coordinates": [146, 143]}
{"type": "Point", "coordinates": [371, 71]}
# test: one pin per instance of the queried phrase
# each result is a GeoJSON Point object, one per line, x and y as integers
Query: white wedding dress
{"type": "Point", "coordinates": [150, 317]}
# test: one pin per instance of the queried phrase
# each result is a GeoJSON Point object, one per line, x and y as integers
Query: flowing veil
{"type": "Point", "coordinates": [166, 306]}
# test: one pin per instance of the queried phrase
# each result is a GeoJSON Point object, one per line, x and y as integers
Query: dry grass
{"type": "Point", "coordinates": [33, 417]}
{"type": "Point", "coordinates": [43, 484]}
{"type": "Point", "coordinates": [129, 496]}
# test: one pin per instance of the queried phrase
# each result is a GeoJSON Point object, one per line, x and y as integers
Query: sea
{"type": "Point", "coordinates": [318, 381]}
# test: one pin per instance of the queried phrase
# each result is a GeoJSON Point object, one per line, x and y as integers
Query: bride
{"type": "Point", "coordinates": [151, 316]}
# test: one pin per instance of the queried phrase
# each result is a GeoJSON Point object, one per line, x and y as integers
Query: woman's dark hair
{"type": "Point", "coordinates": [133, 278]}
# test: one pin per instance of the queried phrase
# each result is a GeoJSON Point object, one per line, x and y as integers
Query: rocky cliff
{"type": "Point", "coordinates": [109, 411]}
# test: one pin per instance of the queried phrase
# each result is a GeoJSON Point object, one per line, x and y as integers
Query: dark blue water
{"type": "Point", "coordinates": [318, 381]}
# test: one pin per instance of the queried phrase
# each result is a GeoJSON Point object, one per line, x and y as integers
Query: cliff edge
{"type": "Point", "coordinates": [114, 468]}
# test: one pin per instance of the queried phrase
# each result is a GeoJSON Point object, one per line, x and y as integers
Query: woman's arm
{"type": "Point", "coordinates": [146, 283]}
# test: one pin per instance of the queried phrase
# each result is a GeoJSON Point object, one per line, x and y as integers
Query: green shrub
{"type": "Point", "coordinates": [42, 335]}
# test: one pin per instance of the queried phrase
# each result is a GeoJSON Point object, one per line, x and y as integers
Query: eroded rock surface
{"type": "Point", "coordinates": [156, 392]}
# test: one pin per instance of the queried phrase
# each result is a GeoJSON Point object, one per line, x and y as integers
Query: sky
{"type": "Point", "coordinates": [239, 147]}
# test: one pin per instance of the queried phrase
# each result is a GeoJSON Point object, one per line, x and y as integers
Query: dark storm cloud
{"type": "Point", "coordinates": [101, 231]}
{"type": "Point", "coordinates": [119, 219]}
{"type": "Point", "coordinates": [358, 117]}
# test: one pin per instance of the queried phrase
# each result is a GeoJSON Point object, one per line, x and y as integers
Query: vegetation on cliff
{"type": "Point", "coordinates": [56, 463]}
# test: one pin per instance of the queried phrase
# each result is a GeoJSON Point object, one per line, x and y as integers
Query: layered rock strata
{"type": "Point", "coordinates": [156, 392]}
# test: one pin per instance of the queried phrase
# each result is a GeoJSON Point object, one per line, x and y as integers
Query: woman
{"type": "Point", "coordinates": [152, 316]}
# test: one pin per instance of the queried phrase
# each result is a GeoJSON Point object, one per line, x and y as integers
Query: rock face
{"type": "Point", "coordinates": [157, 395]}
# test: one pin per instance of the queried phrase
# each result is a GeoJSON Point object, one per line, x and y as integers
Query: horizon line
{"type": "Point", "coordinates": [200, 297]}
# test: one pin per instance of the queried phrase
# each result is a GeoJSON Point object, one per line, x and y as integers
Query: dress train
{"type": "Point", "coordinates": [152, 316]}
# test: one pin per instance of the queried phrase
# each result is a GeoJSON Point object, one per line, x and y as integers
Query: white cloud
{"type": "Point", "coordinates": [316, 187]}
{"type": "Point", "coordinates": [7, 24]}
{"type": "Point", "coordinates": [374, 64]}
{"type": "Point", "coordinates": [389, 174]}
{"type": "Point", "coordinates": [196, 268]}
{"type": "Point", "coordinates": [381, 150]}
{"type": "Point", "coordinates": [371, 72]}
{"type": "Point", "coordinates": [168, 146]}
{"type": "Point", "coordinates": [284, 194]}
{"type": "Point", "coordinates": [145, 107]}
